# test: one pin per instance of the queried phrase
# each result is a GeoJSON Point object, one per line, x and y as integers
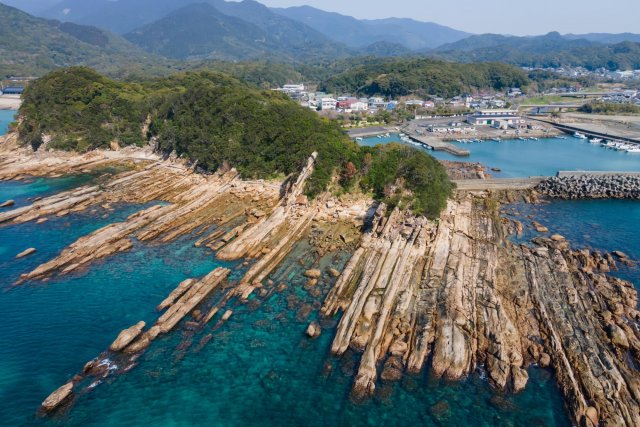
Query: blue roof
{"type": "Point", "coordinates": [13, 90]}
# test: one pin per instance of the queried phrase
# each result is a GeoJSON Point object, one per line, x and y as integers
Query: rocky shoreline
{"type": "Point", "coordinates": [447, 295]}
{"type": "Point", "coordinates": [462, 295]}
{"type": "Point", "coordinates": [592, 187]}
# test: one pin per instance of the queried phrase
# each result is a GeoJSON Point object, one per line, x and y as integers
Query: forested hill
{"type": "Point", "coordinates": [34, 46]}
{"type": "Point", "coordinates": [401, 77]}
{"type": "Point", "coordinates": [216, 121]}
{"type": "Point", "coordinates": [551, 50]}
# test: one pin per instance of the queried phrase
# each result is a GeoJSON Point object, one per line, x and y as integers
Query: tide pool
{"type": "Point", "coordinates": [259, 369]}
{"type": "Point", "coordinates": [544, 157]}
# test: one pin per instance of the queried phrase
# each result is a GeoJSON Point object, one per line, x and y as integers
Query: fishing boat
{"type": "Point", "coordinates": [595, 140]}
{"type": "Point", "coordinates": [580, 135]}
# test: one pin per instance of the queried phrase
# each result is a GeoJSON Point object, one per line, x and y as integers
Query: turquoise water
{"type": "Point", "coordinates": [6, 117]}
{"type": "Point", "coordinates": [603, 225]}
{"type": "Point", "coordinates": [23, 194]}
{"type": "Point", "coordinates": [259, 369]}
{"type": "Point", "coordinates": [544, 157]}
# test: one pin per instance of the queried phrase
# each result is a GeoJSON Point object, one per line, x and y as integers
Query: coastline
{"type": "Point", "coordinates": [378, 327]}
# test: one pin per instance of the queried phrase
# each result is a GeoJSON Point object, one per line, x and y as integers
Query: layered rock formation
{"type": "Point", "coordinates": [461, 294]}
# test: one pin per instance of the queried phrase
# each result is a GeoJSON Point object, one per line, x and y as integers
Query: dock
{"type": "Point", "coordinates": [499, 183]}
{"type": "Point", "coordinates": [589, 133]}
{"type": "Point", "coordinates": [368, 132]}
{"type": "Point", "coordinates": [436, 144]}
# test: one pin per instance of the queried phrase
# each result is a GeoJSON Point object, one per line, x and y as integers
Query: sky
{"type": "Point", "coordinates": [517, 17]}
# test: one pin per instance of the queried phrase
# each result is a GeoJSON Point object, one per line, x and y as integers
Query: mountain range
{"type": "Point", "coordinates": [33, 46]}
{"type": "Point", "coordinates": [247, 30]}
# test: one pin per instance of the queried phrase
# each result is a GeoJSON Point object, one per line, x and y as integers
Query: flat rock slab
{"type": "Point", "coordinates": [56, 398]}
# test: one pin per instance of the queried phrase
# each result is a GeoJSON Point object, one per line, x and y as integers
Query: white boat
{"type": "Point", "coordinates": [595, 140]}
{"type": "Point", "coordinates": [580, 135]}
{"type": "Point", "coordinates": [358, 139]}
{"type": "Point", "coordinates": [635, 149]}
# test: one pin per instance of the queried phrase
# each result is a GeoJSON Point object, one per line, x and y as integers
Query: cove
{"type": "Point", "coordinates": [544, 157]}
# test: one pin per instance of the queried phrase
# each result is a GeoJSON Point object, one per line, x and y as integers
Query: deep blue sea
{"type": "Point", "coordinates": [259, 369]}
{"type": "Point", "coordinates": [544, 157]}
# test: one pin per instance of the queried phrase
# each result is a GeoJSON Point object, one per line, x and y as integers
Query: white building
{"type": "Point", "coordinates": [328, 104]}
{"type": "Point", "coordinates": [497, 118]}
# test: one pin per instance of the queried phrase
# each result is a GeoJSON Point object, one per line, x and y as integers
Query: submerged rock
{"type": "Point", "coordinates": [313, 274]}
{"type": "Point", "coordinates": [314, 330]}
{"type": "Point", "coordinates": [7, 204]}
{"type": "Point", "coordinates": [26, 252]}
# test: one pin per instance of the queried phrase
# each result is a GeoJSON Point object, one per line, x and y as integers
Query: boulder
{"type": "Point", "coordinates": [127, 336]}
{"type": "Point", "coordinates": [56, 398]}
{"type": "Point", "coordinates": [334, 273]}
{"type": "Point", "coordinates": [520, 378]}
{"type": "Point", "coordinates": [558, 238]}
{"type": "Point", "coordinates": [314, 330]}
{"type": "Point", "coordinates": [545, 360]}
{"type": "Point", "coordinates": [591, 416]}
{"type": "Point", "coordinates": [620, 254]}
{"type": "Point", "coordinates": [618, 336]}
{"type": "Point", "coordinates": [7, 204]}
{"type": "Point", "coordinates": [313, 274]}
{"type": "Point", "coordinates": [26, 252]}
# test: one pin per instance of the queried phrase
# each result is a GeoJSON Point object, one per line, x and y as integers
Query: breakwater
{"type": "Point", "coordinates": [591, 186]}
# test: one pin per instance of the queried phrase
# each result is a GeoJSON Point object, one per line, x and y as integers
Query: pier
{"type": "Point", "coordinates": [368, 132]}
{"type": "Point", "coordinates": [435, 144]}
{"type": "Point", "coordinates": [589, 133]}
{"type": "Point", "coordinates": [499, 183]}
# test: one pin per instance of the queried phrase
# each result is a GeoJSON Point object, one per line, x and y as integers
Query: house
{"type": "Point", "coordinates": [514, 92]}
{"type": "Point", "coordinates": [328, 104]}
{"type": "Point", "coordinates": [377, 103]}
{"type": "Point", "coordinates": [349, 105]}
{"type": "Point", "coordinates": [429, 104]}
{"type": "Point", "coordinates": [391, 105]}
{"type": "Point", "coordinates": [500, 119]}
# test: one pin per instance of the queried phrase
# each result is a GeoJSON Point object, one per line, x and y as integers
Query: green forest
{"type": "Point", "coordinates": [216, 121]}
{"type": "Point", "coordinates": [401, 77]}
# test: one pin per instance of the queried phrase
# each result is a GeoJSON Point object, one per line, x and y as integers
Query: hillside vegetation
{"type": "Point", "coordinates": [217, 122]}
{"type": "Point", "coordinates": [34, 46]}
{"type": "Point", "coordinates": [548, 51]}
{"type": "Point", "coordinates": [421, 77]}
